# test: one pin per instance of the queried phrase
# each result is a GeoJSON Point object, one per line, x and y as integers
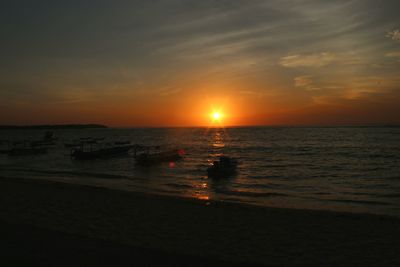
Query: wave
{"type": "Point", "coordinates": [250, 194]}
{"type": "Point", "coordinates": [183, 186]}
{"type": "Point", "coordinates": [71, 173]}
{"type": "Point", "coordinates": [366, 202]}
{"type": "Point", "coordinates": [394, 195]}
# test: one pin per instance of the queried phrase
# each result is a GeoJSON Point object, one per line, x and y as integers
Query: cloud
{"type": "Point", "coordinates": [253, 93]}
{"type": "Point", "coordinates": [167, 91]}
{"type": "Point", "coordinates": [306, 82]}
{"type": "Point", "coordinates": [394, 35]}
{"type": "Point", "coordinates": [310, 60]}
{"type": "Point", "coordinates": [303, 81]}
{"type": "Point", "coordinates": [393, 54]}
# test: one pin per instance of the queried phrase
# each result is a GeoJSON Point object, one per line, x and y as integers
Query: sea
{"type": "Point", "coordinates": [351, 169]}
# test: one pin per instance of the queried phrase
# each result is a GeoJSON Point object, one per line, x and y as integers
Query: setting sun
{"type": "Point", "coordinates": [216, 116]}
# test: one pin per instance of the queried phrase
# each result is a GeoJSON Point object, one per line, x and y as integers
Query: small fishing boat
{"type": "Point", "coordinates": [49, 136]}
{"type": "Point", "coordinates": [48, 140]}
{"type": "Point", "coordinates": [4, 147]}
{"type": "Point", "coordinates": [122, 142]}
{"type": "Point", "coordinates": [88, 139]}
{"type": "Point", "coordinates": [147, 158]}
{"type": "Point", "coordinates": [223, 168]}
{"type": "Point", "coordinates": [94, 150]}
{"type": "Point", "coordinates": [26, 148]}
{"type": "Point", "coordinates": [43, 143]}
{"type": "Point", "coordinates": [73, 144]}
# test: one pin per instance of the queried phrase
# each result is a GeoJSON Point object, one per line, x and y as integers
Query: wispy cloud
{"type": "Point", "coordinates": [129, 51]}
{"type": "Point", "coordinates": [394, 35]}
{"type": "Point", "coordinates": [167, 91]}
{"type": "Point", "coordinates": [309, 60]}
{"type": "Point", "coordinates": [306, 82]}
{"type": "Point", "coordinates": [393, 54]}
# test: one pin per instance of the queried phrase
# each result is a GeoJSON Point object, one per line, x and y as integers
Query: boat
{"type": "Point", "coordinates": [147, 158]}
{"type": "Point", "coordinates": [85, 141]}
{"type": "Point", "coordinates": [49, 136]}
{"type": "Point", "coordinates": [223, 168]}
{"type": "Point", "coordinates": [122, 142]}
{"type": "Point", "coordinates": [72, 144]}
{"type": "Point", "coordinates": [43, 143]}
{"type": "Point", "coordinates": [4, 147]}
{"type": "Point", "coordinates": [48, 140]}
{"type": "Point", "coordinates": [94, 150]}
{"type": "Point", "coordinates": [26, 148]}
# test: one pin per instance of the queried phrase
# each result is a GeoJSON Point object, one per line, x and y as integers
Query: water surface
{"type": "Point", "coordinates": [345, 168]}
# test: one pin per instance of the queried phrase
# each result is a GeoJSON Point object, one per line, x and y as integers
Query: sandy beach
{"type": "Point", "coordinates": [52, 223]}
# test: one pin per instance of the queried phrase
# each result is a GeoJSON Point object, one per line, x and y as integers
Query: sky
{"type": "Point", "coordinates": [175, 62]}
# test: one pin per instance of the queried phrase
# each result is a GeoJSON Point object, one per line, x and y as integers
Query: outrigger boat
{"type": "Point", "coordinates": [94, 150]}
{"type": "Point", "coordinates": [48, 140]}
{"type": "Point", "coordinates": [26, 148]}
{"type": "Point", "coordinates": [148, 159]}
{"type": "Point", "coordinates": [49, 136]}
{"type": "Point", "coordinates": [223, 168]}
{"type": "Point", "coordinates": [82, 141]}
{"type": "Point", "coordinates": [4, 147]}
{"type": "Point", "coordinates": [122, 142]}
{"type": "Point", "coordinates": [73, 144]}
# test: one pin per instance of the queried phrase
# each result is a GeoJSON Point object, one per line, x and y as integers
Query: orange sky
{"type": "Point", "coordinates": [152, 63]}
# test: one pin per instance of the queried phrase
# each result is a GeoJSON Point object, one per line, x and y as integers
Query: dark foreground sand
{"type": "Point", "coordinates": [57, 224]}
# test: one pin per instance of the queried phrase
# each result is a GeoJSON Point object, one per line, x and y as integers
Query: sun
{"type": "Point", "coordinates": [216, 116]}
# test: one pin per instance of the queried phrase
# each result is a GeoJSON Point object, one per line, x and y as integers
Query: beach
{"type": "Point", "coordinates": [95, 226]}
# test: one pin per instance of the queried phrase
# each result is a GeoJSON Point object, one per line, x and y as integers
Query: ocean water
{"type": "Point", "coordinates": [354, 169]}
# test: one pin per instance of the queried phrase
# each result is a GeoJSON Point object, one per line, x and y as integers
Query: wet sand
{"type": "Point", "coordinates": [61, 224]}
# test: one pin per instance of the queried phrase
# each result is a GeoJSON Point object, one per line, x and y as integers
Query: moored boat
{"type": "Point", "coordinates": [147, 158]}
{"type": "Point", "coordinates": [4, 147]}
{"type": "Point", "coordinates": [93, 150]}
{"type": "Point", "coordinates": [26, 148]}
{"type": "Point", "coordinates": [223, 168]}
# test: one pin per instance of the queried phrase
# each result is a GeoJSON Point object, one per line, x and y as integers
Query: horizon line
{"type": "Point", "coordinates": [387, 124]}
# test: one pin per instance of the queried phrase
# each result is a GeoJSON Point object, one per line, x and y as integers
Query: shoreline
{"type": "Point", "coordinates": [221, 231]}
{"type": "Point", "coordinates": [199, 201]}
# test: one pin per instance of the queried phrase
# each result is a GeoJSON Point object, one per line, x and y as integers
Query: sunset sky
{"type": "Point", "coordinates": [175, 62]}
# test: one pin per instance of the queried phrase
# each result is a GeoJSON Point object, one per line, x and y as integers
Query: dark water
{"type": "Point", "coordinates": [347, 169]}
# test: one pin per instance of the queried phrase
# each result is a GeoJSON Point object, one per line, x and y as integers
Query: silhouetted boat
{"type": "Point", "coordinates": [43, 143]}
{"type": "Point", "coordinates": [73, 144]}
{"type": "Point", "coordinates": [27, 151]}
{"type": "Point", "coordinates": [26, 148]}
{"type": "Point", "coordinates": [147, 158]}
{"type": "Point", "coordinates": [84, 141]}
{"type": "Point", "coordinates": [49, 136]}
{"type": "Point", "coordinates": [4, 147]}
{"type": "Point", "coordinates": [122, 142]}
{"type": "Point", "coordinates": [48, 140]}
{"type": "Point", "coordinates": [93, 150]}
{"type": "Point", "coordinates": [223, 168]}
{"type": "Point", "coordinates": [89, 139]}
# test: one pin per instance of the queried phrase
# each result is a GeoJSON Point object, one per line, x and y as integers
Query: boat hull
{"type": "Point", "coordinates": [213, 172]}
{"type": "Point", "coordinates": [27, 151]}
{"type": "Point", "coordinates": [100, 153]}
{"type": "Point", "coordinates": [152, 159]}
